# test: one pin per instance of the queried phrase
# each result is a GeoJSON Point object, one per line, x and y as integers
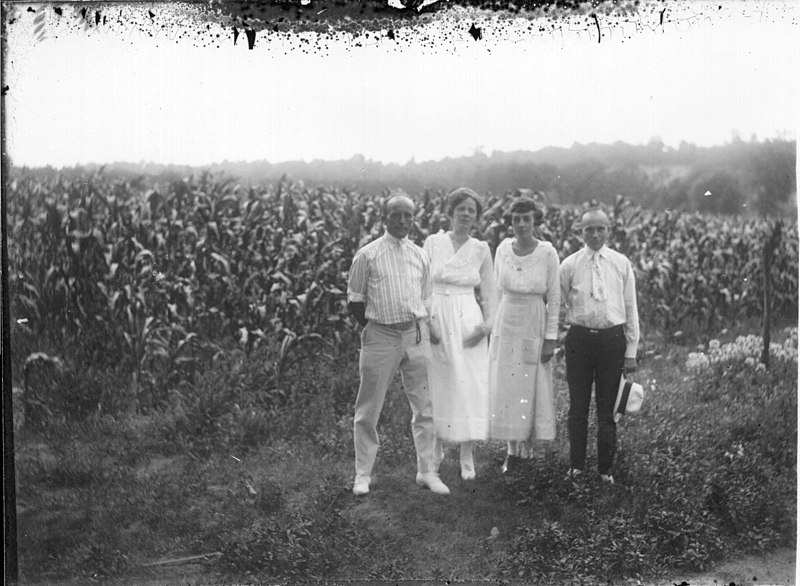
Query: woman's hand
{"type": "Point", "coordinates": [548, 348]}
{"type": "Point", "coordinates": [474, 338]}
{"type": "Point", "coordinates": [433, 332]}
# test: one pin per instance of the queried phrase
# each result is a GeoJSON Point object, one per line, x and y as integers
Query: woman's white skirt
{"type": "Point", "coordinates": [520, 386]}
{"type": "Point", "coordinates": [458, 376]}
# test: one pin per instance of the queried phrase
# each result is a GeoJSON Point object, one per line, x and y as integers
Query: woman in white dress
{"type": "Point", "coordinates": [458, 374]}
{"type": "Point", "coordinates": [524, 335]}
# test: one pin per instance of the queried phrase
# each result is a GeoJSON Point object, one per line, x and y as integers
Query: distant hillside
{"type": "Point", "coordinates": [736, 178]}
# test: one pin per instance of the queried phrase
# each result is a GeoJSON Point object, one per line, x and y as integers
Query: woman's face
{"type": "Point", "coordinates": [465, 214]}
{"type": "Point", "coordinates": [522, 224]}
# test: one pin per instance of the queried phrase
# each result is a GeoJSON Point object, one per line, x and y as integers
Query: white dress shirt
{"type": "Point", "coordinates": [618, 307]}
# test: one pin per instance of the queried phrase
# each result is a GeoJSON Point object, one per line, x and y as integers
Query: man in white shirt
{"type": "Point", "coordinates": [598, 297]}
{"type": "Point", "coordinates": [388, 293]}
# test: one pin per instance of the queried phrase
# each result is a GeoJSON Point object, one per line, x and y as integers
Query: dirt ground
{"type": "Point", "coordinates": [778, 567]}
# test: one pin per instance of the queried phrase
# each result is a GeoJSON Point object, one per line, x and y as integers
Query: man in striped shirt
{"type": "Point", "coordinates": [389, 293]}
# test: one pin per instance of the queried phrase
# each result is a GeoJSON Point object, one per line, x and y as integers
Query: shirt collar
{"type": "Point", "coordinates": [603, 252]}
{"type": "Point", "coordinates": [394, 241]}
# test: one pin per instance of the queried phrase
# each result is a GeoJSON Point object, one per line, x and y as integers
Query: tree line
{"type": "Point", "coordinates": [739, 178]}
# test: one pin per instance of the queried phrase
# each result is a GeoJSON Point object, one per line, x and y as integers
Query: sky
{"type": "Point", "coordinates": [100, 95]}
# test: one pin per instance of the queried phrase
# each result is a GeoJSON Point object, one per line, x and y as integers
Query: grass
{"type": "Point", "coordinates": [701, 476]}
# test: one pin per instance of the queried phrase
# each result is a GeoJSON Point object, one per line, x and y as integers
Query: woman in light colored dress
{"type": "Point", "coordinates": [458, 374]}
{"type": "Point", "coordinates": [524, 335]}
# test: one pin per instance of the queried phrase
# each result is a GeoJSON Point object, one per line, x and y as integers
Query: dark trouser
{"type": "Point", "coordinates": [593, 356]}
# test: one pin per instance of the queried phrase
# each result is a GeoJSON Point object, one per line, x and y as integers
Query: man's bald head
{"type": "Point", "coordinates": [594, 228]}
{"type": "Point", "coordinates": [398, 214]}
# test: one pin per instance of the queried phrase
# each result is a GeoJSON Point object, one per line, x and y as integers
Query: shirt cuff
{"type": "Point", "coordinates": [630, 350]}
{"type": "Point", "coordinates": [356, 297]}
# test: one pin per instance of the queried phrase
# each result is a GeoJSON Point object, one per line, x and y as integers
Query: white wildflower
{"type": "Point", "coordinates": [745, 349]}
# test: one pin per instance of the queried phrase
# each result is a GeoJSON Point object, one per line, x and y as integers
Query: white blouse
{"type": "Point", "coordinates": [469, 266]}
{"type": "Point", "coordinates": [535, 273]}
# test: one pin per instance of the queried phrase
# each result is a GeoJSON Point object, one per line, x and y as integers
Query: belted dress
{"type": "Point", "coordinates": [520, 385]}
{"type": "Point", "coordinates": [459, 376]}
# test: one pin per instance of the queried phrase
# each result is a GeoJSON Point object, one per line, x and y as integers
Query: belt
{"type": "Point", "coordinates": [403, 326]}
{"type": "Point", "coordinates": [453, 290]}
{"type": "Point", "coordinates": [522, 297]}
{"type": "Point", "coordinates": [597, 331]}
{"type": "Point", "coordinates": [400, 326]}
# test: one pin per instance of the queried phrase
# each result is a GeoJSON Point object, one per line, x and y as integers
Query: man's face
{"type": "Point", "coordinates": [594, 228]}
{"type": "Point", "coordinates": [399, 216]}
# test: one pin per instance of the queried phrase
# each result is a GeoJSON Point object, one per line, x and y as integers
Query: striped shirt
{"type": "Point", "coordinates": [392, 277]}
{"type": "Point", "coordinates": [619, 307]}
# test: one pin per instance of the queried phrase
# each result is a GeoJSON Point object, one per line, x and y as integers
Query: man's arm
{"type": "Point", "coordinates": [565, 281]}
{"type": "Point", "coordinates": [357, 288]}
{"type": "Point", "coordinates": [426, 289]}
{"type": "Point", "coordinates": [632, 319]}
{"type": "Point", "coordinates": [357, 309]}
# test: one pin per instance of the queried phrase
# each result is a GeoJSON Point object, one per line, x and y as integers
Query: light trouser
{"type": "Point", "coordinates": [383, 351]}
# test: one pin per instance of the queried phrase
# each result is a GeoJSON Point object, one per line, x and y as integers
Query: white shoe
{"type": "Point", "coordinates": [361, 485]}
{"type": "Point", "coordinates": [467, 471]}
{"type": "Point", "coordinates": [607, 478]}
{"type": "Point", "coordinates": [431, 481]}
{"type": "Point", "coordinates": [573, 473]}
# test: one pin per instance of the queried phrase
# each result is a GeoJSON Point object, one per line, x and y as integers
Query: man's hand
{"type": "Point", "coordinates": [630, 365]}
{"type": "Point", "coordinates": [474, 338]}
{"type": "Point", "coordinates": [358, 310]}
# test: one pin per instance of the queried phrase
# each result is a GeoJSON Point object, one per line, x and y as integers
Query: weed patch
{"type": "Point", "coordinates": [705, 471]}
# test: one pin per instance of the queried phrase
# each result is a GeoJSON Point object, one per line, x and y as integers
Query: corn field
{"type": "Point", "coordinates": [157, 280]}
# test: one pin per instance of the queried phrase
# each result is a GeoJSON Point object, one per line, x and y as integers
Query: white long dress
{"type": "Point", "coordinates": [458, 377]}
{"type": "Point", "coordinates": [520, 385]}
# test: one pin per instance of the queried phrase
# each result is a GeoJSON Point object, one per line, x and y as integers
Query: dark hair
{"type": "Point", "coordinates": [393, 194]}
{"type": "Point", "coordinates": [523, 205]}
{"type": "Point", "coordinates": [456, 197]}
